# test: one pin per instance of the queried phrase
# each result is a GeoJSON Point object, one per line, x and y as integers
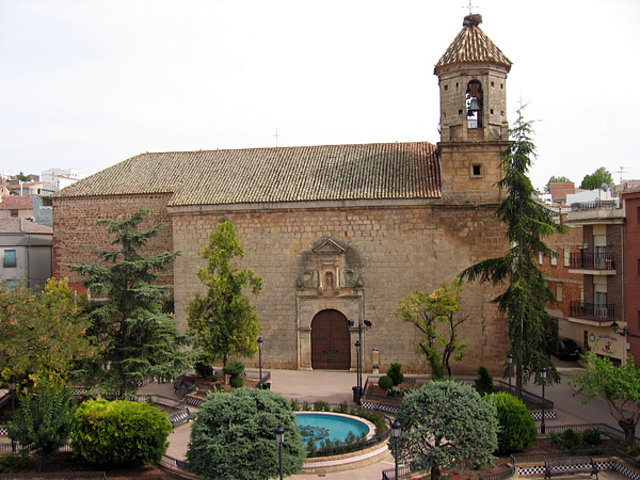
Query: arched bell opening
{"type": "Point", "coordinates": [474, 104]}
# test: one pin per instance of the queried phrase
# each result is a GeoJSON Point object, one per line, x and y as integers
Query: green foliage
{"type": "Point", "coordinates": [14, 462]}
{"type": "Point", "coordinates": [236, 381]}
{"type": "Point", "coordinates": [446, 424]}
{"type": "Point", "coordinates": [484, 381]}
{"type": "Point", "coordinates": [44, 420]}
{"type": "Point", "coordinates": [597, 179]}
{"type": "Point", "coordinates": [395, 372]}
{"type": "Point", "coordinates": [437, 316]}
{"type": "Point", "coordinates": [41, 332]}
{"type": "Point", "coordinates": [554, 179]}
{"type": "Point", "coordinates": [527, 292]}
{"type": "Point", "coordinates": [233, 368]}
{"type": "Point", "coordinates": [571, 439]}
{"type": "Point", "coordinates": [386, 382]}
{"type": "Point", "coordinates": [343, 407]}
{"type": "Point", "coordinates": [306, 406]}
{"type": "Point", "coordinates": [592, 436]}
{"type": "Point", "coordinates": [618, 385]}
{"type": "Point", "coordinates": [295, 405]}
{"type": "Point", "coordinates": [203, 370]}
{"type": "Point", "coordinates": [321, 406]}
{"type": "Point", "coordinates": [137, 339]}
{"type": "Point", "coordinates": [120, 432]}
{"type": "Point", "coordinates": [222, 321]}
{"type": "Point", "coordinates": [233, 436]}
{"type": "Point", "coordinates": [517, 427]}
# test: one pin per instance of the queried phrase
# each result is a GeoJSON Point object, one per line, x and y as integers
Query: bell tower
{"type": "Point", "coordinates": [472, 77]}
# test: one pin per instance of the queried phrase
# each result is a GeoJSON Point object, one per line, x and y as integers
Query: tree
{"type": "Point", "coordinates": [554, 179]}
{"type": "Point", "coordinates": [532, 332]}
{"type": "Point", "coordinates": [436, 315]}
{"type": "Point", "coordinates": [222, 321]}
{"type": "Point", "coordinates": [44, 421]}
{"type": "Point", "coordinates": [137, 338]}
{"type": "Point", "coordinates": [120, 432]}
{"type": "Point", "coordinates": [597, 179]}
{"type": "Point", "coordinates": [41, 332]}
{"type": "Point", "coordinates": [446, 424]}
{"type": "Point", "coordinates": [233, 436]}
{"type": "Point", "coordinates": [517, 427]}
{"type": "Point", "coordinates": [618, 385]}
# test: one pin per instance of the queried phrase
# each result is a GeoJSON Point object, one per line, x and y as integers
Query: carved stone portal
{"type": "Point", "coordinates": [329, 278]}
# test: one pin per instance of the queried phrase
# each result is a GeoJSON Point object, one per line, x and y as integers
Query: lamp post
{"type": "Point", "coordinates": [543, 376]}
{"type": "Point", "coordinates": [396, 431]}
{"type": "Point", "coordinates": [260, 362]}
{"type": "Point", "coordinates": [510, 364]}
{"type": "Point", "coordinates": [12, 388]}
{"type": "Point", "coordinates": [280, 439]}
{"type": "Point", "coordinates": [357, 390]}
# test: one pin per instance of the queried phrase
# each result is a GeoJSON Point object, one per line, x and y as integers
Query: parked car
{"type": "Point", "coordinates": [568, 349]}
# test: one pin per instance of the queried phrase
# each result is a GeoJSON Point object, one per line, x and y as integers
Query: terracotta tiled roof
{"type": "Point", "coordinates": [22, 225]}
{"type": "Point", "coordinates": [286, 174]}
{"type": "Point", "coordinates": [16, 202]}
{"type": "Point", "coordinates": [472, 46]}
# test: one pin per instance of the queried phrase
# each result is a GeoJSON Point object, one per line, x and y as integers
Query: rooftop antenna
{"type": "Point", "coordinates": [622, 171]}
{"type": "Point", "coordinates": [276, 135]}
{"type": "Point", "coordinates": [470, 7]}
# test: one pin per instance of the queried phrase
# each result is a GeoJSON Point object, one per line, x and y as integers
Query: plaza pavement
{"type": "Point", "coordinates": [335, 387]}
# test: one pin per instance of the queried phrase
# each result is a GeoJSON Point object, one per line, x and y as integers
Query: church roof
{"type": "Point", "coordinates": [472, 45]}
{"type": "Point", "coordinates": [285, 174]}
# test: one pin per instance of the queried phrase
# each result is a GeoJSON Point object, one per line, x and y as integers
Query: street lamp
{"type": "Point", "coordinates": [396, 431]}
{"type": "Point", "coordinates": [510, 364]}
{"type": "Point", "coordinates": [361, 327]}
{"type": "Point", "coordinates": [280, 439]}
{"type": "Point", "coordinates": [260, 362]}
{"type": "Point", "coordinates": [543, 376]}
{"type": "Point", "coordinates": [12, 388]}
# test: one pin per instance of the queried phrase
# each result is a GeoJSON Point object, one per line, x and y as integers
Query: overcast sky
{"type": "Point", "coordinates": [86, 84]}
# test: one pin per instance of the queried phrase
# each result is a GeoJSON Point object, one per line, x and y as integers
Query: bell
{"type": "Point", "coordinates": [474, 106]}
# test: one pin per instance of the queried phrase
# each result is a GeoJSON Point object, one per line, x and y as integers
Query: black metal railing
{"type": "Point", "coordinates": [593, 311]}
{"type": "Point", "coordinates": [390, 473]}
{"type": "Point", "coordinates": [592, 261]}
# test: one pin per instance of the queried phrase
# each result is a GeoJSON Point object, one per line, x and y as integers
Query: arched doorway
{"type": "Point", "coordinates": [330, 346]}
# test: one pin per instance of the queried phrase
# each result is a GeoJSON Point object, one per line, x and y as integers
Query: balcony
{"type": "Point", "coordinates": [603, 263]}
{"type": "Point", "coordinates": [592, 312]}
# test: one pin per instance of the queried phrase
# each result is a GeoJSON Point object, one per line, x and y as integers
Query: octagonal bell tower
{"type": "Point", "coordinates": [472, 77]}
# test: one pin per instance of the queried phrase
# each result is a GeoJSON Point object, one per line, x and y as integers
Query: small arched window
{"type": "Point", "coordinates": [474, 104]}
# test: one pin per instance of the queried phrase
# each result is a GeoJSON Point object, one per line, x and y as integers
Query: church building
{"type": "Point", "coordinates": [337, 232]}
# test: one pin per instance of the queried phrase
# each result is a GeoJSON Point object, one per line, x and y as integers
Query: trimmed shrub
{"type": "Point", "coordinates": [120, 432]}
{"type": "Point", "coordinates": [517, 427]}
{"type": "Point", "coordinates": [203, 370]}
{"type": "Point", "coordinates": [233, 436]}
{"type": "Point", "coordinates": [233, 368]}
{"type": "Point", "coordinates": [571, 439]}
{"type": "Point", "coordinates": [236, 381]}
{"type": "Point", "coordinates": [395, 373]}
{"type": "Point", "coordinates": [484, 381]}
{"type": "Point", "coordinates": [13, 462]}
{"type": "Point", "coordinates": [386, 383]}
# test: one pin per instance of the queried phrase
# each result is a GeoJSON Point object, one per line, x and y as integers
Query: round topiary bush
{"type": "Point", "coordinates": [233, 436]}
{"type": "Point", "coordinates": [233, 368]}
{"type": "Point", "coordinates": [386, 383]}
{"type": "Point", "coordinates": [395, 373]}
{"type": "Point", "coordinates": [236, 381]}
{"type": "Point", "coordinates": [517, 427]}
{"type": "Point", "coordinates": [120, 432]}
{"type": "Point", "coordinates": [571, 439]}
{"type": "Point", "coordinates": [592, 436]}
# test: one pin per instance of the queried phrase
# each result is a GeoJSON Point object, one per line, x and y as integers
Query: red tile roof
{"type": "Point", "coordinates": [16, 202]}
{"type": "Point", "coordinates": [472, 45]}
{"type": "Point", "coordinates": [286, 174]}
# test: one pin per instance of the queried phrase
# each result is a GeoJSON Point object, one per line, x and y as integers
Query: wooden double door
{"type": "Point", "coordinates": [330, 341]}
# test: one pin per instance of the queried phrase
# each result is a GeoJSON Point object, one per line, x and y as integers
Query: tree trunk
{"type": "Point", "coordinates": [629, 428]}
{"type": "Point", "coordinates": [435, 472]}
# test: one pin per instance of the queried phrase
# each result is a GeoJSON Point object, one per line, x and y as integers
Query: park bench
{"type": "Point", "coordinates": [561, 466]}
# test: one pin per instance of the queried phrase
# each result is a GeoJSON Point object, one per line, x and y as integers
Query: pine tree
{"type": "Point", "coordinates": [222, 321]}
{"type": "Point", "coordinates": [531, 330]}
{"type": "Point", "coordinates": [138, 339]}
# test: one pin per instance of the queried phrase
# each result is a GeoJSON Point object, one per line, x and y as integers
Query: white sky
{"type": "Point", "coordinates": [88, 83]}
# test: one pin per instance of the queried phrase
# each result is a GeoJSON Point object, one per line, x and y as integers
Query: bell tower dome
{"type": "Point", "coordinates": [472, 77]}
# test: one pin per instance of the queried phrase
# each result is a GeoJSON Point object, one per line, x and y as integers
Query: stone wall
{"type": "Point", "coordinates": [402, 249]}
